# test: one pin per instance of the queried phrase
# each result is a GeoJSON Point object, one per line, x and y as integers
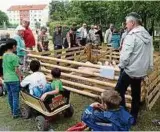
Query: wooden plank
{"type": "Point", "coordinates": [67, 61]}
{"type": "Point", "coordinates": [153, 101]}
{"type": "Point", "coordinates": [75, 48]}
{"type": "Point", "coordinates": [81, 92]}
{"type": "Point", "coordinates": [151, 86]}
{"type": "Point", "coordinates": [152, 94]}
{"type": "Point", "coordinates": [113, 56]}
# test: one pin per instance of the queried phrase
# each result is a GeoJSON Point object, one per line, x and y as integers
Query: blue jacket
{"type": "Point", "coordinates": [117, 120]}
{"type": "Point", "coordinates": [115, 40]}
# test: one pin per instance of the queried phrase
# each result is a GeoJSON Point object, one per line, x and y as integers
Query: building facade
{"type": "Point", "coordinates": [34, 13]}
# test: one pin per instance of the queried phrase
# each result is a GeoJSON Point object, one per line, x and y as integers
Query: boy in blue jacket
{"type": "Point", "coordinates": [107, 115]}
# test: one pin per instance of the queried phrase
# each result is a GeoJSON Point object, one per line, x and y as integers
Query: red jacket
{"type": "Point", "coordinates": [29, 38]}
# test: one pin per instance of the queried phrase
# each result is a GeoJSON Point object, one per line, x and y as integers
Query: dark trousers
{"type": "Point", "coordinates": [57, 47]}
{"type": "Point", "coordinates": [83, 41]}
{"type": "Point", "coordinates": [123, 82]}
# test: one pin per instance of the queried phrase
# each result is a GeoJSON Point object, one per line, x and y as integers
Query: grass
{"type": "Point", "coordinates": [61, 124]}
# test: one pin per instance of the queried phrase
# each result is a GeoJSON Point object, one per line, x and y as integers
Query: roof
{"type": "Point", "coordinates": [26, 7]}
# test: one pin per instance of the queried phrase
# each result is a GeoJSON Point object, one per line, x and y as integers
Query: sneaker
{"type": "Point", "coordinates": [15, 116]}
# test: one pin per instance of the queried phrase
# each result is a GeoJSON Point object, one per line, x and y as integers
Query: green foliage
{"type": "Point", "coordinates": [104, 12]}
{"type": "Point", "coordinates": [3, 18]}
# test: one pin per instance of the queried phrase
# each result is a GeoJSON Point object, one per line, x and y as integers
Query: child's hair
{"type": "Point", "coordinates": [45, 28]}
{"type": "Point", "coordinates": [56, 72]}
{"type": "Point", "coordinates": [111, 98]}
{"type": "Point", "coordinates": [35, 65]}
{"type": "Point", "coordinates": [10, 43]}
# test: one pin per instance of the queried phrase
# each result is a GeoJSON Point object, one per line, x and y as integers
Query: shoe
{"type": "Point", "coordinates": [134, 122]}
{"type": "Point", "coordinates": [156, 122]}
{"type": "Point", "coordinates": [15, 116]}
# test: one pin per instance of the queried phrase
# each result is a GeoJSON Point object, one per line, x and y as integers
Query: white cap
{"type": "Point", "coordinates": [20, 27]}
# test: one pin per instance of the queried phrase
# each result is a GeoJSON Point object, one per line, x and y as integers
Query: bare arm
{"type": "Point", "coordinates": [68, 39]}
{"type": "Point", "coordinates": [56, 91]}
{"type": "Point", "coordinates": [18, 72]}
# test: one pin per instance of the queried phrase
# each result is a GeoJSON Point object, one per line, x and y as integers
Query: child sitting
{"type": "Point", "coordinates": [36, 80]}
{"type": "Point", "coordinates": [56, 85]}
{"type": "Point", "coordinates": [107, 115]}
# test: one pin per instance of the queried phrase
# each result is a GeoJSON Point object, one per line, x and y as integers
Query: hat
{"type": "Point", "coordinates": [135, 15]}
{"type": "Point", "coordinates": [20, 27]}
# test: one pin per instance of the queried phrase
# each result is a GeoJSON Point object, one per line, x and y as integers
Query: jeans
{"type": "Point", "coordinates": [38, 92]}
{"type": "Point", "coordinates": [13, 89]}
{"type": "Point", "coordinates": [123, 82]}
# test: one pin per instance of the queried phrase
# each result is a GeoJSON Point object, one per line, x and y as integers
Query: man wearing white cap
{"type": "Point", "coordinates": [21, 48]}
{"type": "Point", "coordinates": [136, 59]}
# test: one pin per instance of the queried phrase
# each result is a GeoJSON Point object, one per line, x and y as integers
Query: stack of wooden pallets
{"type": "Point", "coordinates": [85, 78]}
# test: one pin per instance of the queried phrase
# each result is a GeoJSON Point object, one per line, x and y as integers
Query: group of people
{"type": "Point", "coordinates": [73, 37]}
{"type": "Point", "coordinates": [136, 59]}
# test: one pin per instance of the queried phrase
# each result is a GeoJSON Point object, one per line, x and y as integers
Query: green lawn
{"type": "Point", "coordinates": [60, 123]}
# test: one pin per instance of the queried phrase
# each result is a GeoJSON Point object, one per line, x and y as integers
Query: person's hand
{"type": "Point", "coordinates": [28, 51]}
{"type": "Point", "coordinates": [120, 48]}
{"type": "Point", "coordinates": [43, 97]}
{"type": "Point", "coordinates": [20, 78]}
{"type": "Point", "coordinates": [0, 81]}
{"type": "Point", "coordinates": [96, 105]}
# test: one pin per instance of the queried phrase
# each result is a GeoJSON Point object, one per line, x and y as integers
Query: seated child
{"type": "Point", "coordinates": [107, 115]}
{"type": "Point", "coordinates": [36, 80]}
{"type": "Point", "coordinates": [56, 85]}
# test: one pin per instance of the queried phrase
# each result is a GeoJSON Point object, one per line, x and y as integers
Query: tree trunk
{"type": "Point", "coordinates": [145, 21]}
{"type": "Point", "coordinates": [152, 27]}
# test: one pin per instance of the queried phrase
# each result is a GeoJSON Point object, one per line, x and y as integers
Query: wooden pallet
{"type": "Point", "coordinates": [91, 84]}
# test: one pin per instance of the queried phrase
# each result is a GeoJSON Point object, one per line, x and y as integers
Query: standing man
{"type": "Point", "coordinates": [28, 35]}
{"type": "Point", "coordinates": [136, 58]}
{"type": "Point", "coordinates": [108, 34]}
{"type": "Point", "coordinates": [83, 34]}
{"type": "Point", "coordinates": [58, 38]}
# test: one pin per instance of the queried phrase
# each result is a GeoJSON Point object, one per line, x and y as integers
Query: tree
{"type": "Point", "coordinates": [58, 10]}
{"type": "Point", "coordinates": [3, 18]}
{"type": "Point", "coordinates": [105, 12]}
